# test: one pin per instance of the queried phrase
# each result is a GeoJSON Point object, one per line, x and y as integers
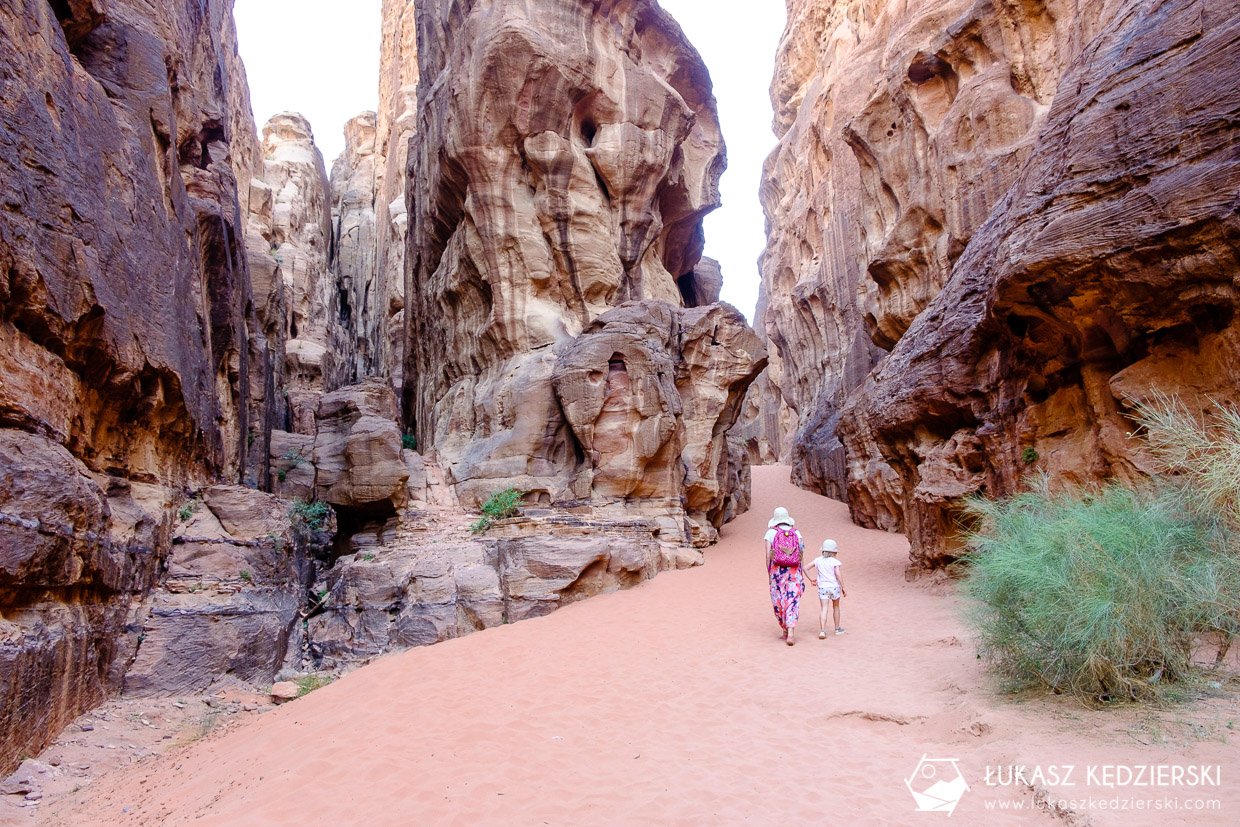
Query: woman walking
{"type": "Point", "coordinates": [784, 547]}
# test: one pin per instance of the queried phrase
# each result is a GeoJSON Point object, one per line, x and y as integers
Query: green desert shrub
{"type": "Point", "coordinates": [309, 516]}
{"type": "Point", "coordinates": [187, 509]}
{"type": "Point", "coordinates": [1202, 451]}
{"type": "Point", "coordinates": [309, 683]}
{"type": "Point", "coordinates": [1107, 592]}
{"type": "Point", "coordinates": [409, 442]}
{"type": "Point", "coordinates": [1103, 594]}
{"type": "Point", "coordinates": [502, 504]}
{"type": "Point", "coordinates": [498, 506]}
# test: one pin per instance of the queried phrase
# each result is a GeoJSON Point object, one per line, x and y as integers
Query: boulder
{"type": "Point", "coordinates": [433, 583]}
{"type": "Point", "coordinates": [649, 391]}
{"type": "Point", "coordinates": [284, 691]}
{"type": "Point", "coordinates": [357, 451]}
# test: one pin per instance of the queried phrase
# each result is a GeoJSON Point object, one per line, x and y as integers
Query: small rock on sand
{"type": "Point", "coordinates": [284, 691]}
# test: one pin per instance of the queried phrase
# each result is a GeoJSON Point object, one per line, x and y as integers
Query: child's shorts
{"type": "Point", "coordinates": [826, 592]}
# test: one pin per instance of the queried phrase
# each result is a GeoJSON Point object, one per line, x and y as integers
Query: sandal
{"type": "Point", "coordinates": [822, 635]}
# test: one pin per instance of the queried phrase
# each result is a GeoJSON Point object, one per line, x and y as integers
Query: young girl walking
{"type": "Point", "coordinates": [825, 572]}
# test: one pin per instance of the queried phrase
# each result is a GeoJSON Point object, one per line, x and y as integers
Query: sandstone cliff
{"type": "Point", "coordinates": [134, 360]}
{"type": "Point", "coordinates": [1017, 215]}
{"type": "Point", "coordinates": [566, 155]}
{"type": "Point", "coordinates": [290, 232]}
{"type": "Point", "coordinates": [370, 220]}
{"type": "Point", "coordinates": [189, 314]}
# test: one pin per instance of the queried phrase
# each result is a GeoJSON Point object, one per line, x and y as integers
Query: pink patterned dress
{"type": "Point", "coordinates": [787, 586]}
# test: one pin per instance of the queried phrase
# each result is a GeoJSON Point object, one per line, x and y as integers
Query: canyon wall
{"type": "Point", "coordinates": [564, 335]}
{"type": "Point", "coordinates": [136, 358]}
{"type": "Point", "coordinates": [192, 316]}
{"type": "Point", "coordinates": [289, 246]}
{"type": "Point", "coordinates": [370, 220]}
{"type": "Point", "coordinates": [993, 226]}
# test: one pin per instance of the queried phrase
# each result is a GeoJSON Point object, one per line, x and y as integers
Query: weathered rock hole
{"type": "Point", "coordinates": [77, 20]}
{"type": "Point", "coordinates": [589, 583]}
{"type": "Point", "coordinates": [687, 285]}
{"type": "Point", "coordinates": [353, 520]}
{"type": "Point", "coordinates": [193, 150]}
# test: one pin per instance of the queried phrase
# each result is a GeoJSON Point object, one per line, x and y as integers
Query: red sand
{"type": "Point", "coordinates": [676, 703]}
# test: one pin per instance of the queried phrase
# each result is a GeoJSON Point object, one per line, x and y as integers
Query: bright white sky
{"type": "Point", "coordinates": [321, 58]}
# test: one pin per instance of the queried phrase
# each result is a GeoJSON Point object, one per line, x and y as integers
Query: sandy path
{"type": "Point", "coordinates": [671, 703]}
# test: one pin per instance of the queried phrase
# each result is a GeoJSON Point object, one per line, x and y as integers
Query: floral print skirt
{"type": "Point", "coordinates": [787, 586]}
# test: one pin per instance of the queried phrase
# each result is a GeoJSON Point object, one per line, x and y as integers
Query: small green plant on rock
{"type": "Point", "coordinates": [294, 457]}
{"type": "Point", "coordinates": [498, 506]}
{"type": "Point", "coordinates": [247, 577]}
{"type": "Point", "coordinates": [503, 504]}
{"type": "Point", "coordinates": [187, 510]}
{"type": "Point", "coordinates": [1029, 456]}
{"type": "Point", "coordinates": [309, 683]}
{"type": "Point", "coordinates": [409, 442]}
{"type": "Point", "coordinates": [309, 516]}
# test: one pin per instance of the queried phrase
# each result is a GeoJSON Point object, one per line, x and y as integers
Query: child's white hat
{"type": "Point", "coordinates": [829, 545]}
{"type": "Point", "coordinates": [781, 516]}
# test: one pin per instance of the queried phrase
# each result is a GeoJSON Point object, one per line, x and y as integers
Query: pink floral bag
{"type": "Point", "coordinates": [786, 548]}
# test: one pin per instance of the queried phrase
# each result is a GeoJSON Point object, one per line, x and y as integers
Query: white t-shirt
{"type": "Point", "coordinates": [826, 570]}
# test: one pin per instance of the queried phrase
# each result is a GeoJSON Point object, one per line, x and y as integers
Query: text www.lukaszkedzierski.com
{"type": "Point", "coordinates": [1148, 804]}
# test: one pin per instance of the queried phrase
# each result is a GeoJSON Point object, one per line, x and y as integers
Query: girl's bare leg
{"type": "Point", "coordinates": [822, 614]}
{"type": "Point", "coordinates": [835, 607]}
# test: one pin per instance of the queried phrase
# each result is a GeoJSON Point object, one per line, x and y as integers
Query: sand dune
{"type": "Point", "coordinates": [674, 703]}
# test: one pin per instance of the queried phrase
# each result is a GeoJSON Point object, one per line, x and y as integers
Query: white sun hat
{"type": "Point", "coordinates": [781, 516]}
{"type": "Point", "coordinates": [829, 545]}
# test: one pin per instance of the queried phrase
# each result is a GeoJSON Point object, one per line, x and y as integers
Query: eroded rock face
{"type": "Point", "coordinates": [131, 350]}
{"type": "Point", "coordinates": [75, 549]}
{"type": "Point", "coordinates": [230, 601]}
{"type": "Point", "coordinates": [649, 391]}
{"type": "Point", "coordinates": [565, 158]}
{"type": "Point", "coordinates": [431, 579]}
{"type": "Point", "coordinates": [355, 247]}
{"type": "Point", "coordinates": [370, 219]}
{"type": "Point", "coordinates": [986, 194]}
{"type": "Point", "coordinates": [289, 210]}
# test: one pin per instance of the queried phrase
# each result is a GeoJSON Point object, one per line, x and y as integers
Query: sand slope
{"type": "Point", "coordinates": [672, 703]}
